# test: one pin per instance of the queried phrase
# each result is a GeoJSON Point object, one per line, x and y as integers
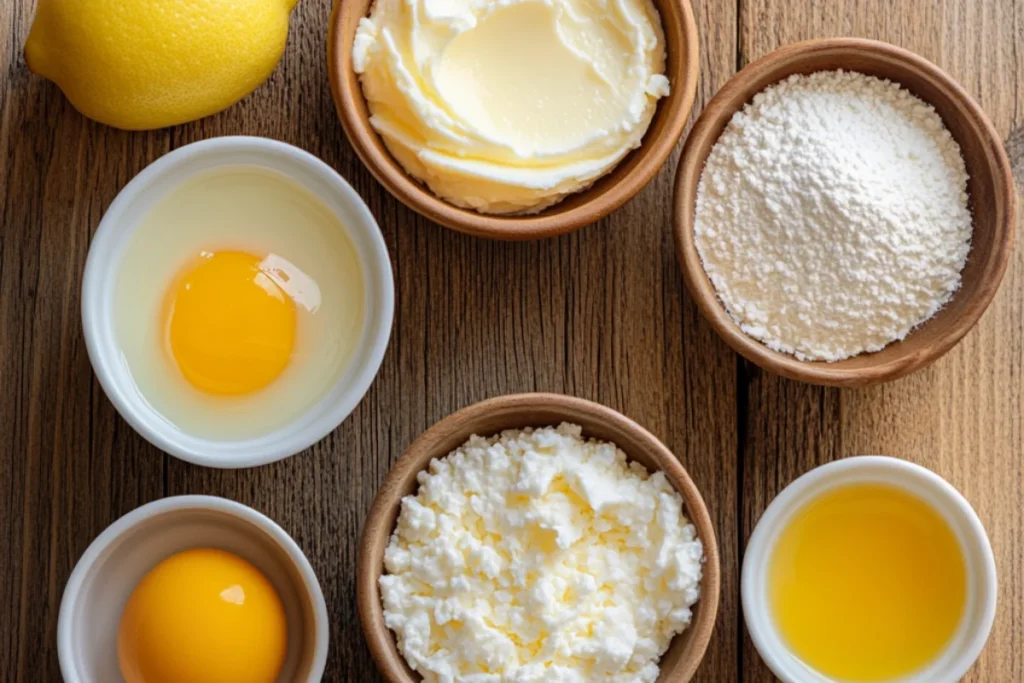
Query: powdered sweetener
{"type": "Point", "coordinates": [832, 215]}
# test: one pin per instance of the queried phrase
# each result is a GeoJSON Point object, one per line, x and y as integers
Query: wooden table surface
{"type": "Point", "coordinates": [600, 314]}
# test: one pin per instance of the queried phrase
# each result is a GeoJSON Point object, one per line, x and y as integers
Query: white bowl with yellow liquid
{"type": "Point", "coordinates": [924, 504]}
{"type": "Point", "coordinates": [237, 301]}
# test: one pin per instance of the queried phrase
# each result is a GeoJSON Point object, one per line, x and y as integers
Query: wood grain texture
{"type": "Point", "coordinates": [599, 314]}
{"type": "Point", "coordinates": [961, 417]}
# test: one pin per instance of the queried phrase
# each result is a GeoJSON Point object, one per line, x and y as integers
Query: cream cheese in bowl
{"type": "Point", "coordinates": [508, 107]}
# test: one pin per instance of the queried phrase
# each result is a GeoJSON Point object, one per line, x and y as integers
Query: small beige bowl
{"type": "Point", "coordinates": [114, 563]}
{"type": "Point", "coordinates": [990, 187]}
{"type": "Point", "coordinates": [575, 211]}
{"type": "Point", "coordinates": [517, 411]}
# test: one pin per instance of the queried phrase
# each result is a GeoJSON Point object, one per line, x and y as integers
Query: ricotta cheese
{"type": "Point", "coordinates": [535, 556]}
{"type": "Point", "coordinates": [508, 106]}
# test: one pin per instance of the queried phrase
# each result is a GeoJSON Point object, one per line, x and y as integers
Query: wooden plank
{"type": "Point", "coordinates": [66, 466]}
{"type": "Point", "coordinates": [591, 314]}
{"type": "Point", "coordinates": [701, 391]}
{"type": "Point", "coordinates": [599, 314]}
{"type": "Point", "coordinates": [961, 417]}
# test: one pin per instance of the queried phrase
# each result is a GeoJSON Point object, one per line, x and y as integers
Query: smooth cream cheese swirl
{"type": "Point", "coordinates": [507, 106]}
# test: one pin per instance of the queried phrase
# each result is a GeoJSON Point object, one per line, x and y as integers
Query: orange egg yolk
{"type": "Point", "coordinates": [203, 616]}
{"type": "Point", "coordinates": [230, 326]}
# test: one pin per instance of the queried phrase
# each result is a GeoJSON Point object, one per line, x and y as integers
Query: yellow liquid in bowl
{"type": "Point", "coordinates": [867, 583]}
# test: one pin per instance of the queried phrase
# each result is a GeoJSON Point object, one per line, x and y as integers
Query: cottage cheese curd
{"type": "Point", "coordinates": [506, 106]}
{"type": "Point", "coordinates": [538, 556]}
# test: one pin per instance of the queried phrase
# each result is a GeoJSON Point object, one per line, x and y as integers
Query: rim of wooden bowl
{"type": "Point", "coordinates": [940, 333]}
{"type": "Point", "coordinates": [606, 195]}
{"type": "Point", "coordinates": [516, 411]}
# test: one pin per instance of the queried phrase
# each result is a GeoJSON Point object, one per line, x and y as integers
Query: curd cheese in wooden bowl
{"type": "Point", "coordinates": [538, 537]}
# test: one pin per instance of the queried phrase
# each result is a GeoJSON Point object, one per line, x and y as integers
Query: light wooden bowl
{"type": "Point", "coordinates": [992, 202]}
{"type": "Point", "coordinates": [516, 412]}
{"type": "Point", "coordinates": [604, 196]}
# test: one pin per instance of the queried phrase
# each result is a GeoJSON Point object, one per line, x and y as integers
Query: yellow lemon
{"type": "Point", "coordinates": [142, 64]}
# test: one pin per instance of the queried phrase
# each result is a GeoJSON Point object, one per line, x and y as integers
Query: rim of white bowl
{"type": "Point", "coordinates": [99, 545]}
{"type": "Point", "coordinates": [972, 633]}
{"type": "Point", "coordinates": [102, 268]}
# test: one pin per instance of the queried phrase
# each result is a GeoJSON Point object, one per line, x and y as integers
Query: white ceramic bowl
{"type": "Point", "coordinates": [976, 623]}
{"type": "Point", "coordinates": [103, 267]}
{"type": "Point", "coordinates": [116, 561]}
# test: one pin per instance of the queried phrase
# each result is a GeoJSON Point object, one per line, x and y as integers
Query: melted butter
{"type": "Point", "coordinates": [867, 583]}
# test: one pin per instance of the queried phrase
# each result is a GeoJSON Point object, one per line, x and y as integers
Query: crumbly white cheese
{"type": "Point", "coordinates": [832, 215]}
{"type": "Point", "coordinates": [537, 556]}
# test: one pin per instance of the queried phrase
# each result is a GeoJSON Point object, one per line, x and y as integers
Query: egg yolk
{"type": "Point", "coordinates": [230, 326]}
{"type": "Point", "coordinates": [202, 616]}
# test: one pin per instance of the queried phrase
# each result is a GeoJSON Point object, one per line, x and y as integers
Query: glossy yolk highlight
{"type": "Point", "coordinates": [203, 616]}
{"type": "Point", "coordinates": [230, 326]}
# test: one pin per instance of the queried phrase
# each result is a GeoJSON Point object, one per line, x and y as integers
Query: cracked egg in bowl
{"type": "Point", "coordinates": [237, 301]}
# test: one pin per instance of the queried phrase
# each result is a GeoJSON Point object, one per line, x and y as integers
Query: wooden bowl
{"type": "Point", "coordinates": [604, 196]}
{"type": "Point", "coordinates": [515, 412]}
{"type": "Point", "coordinates": [992, 203]}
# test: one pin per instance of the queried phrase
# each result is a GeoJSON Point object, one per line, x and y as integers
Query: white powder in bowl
{"type": "Point", "coordinates": [537, 556]}
{"type": "Point", "coordinates": [832, 215]}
